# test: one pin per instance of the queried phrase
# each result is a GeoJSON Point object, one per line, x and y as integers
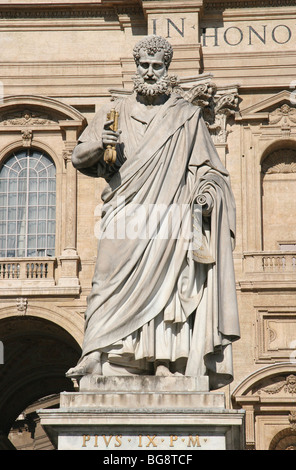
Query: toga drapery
{"type": "Point", "coordinates": [156, 291]}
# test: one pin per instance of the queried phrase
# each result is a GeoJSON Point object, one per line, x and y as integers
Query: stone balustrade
{"type": "Point", "coordinates": [22, 269]}
{"type": "Point", "coordinates": [270, 262]}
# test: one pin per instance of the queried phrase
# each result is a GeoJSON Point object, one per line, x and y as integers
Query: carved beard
{"type": "Point", "coordinates": [162, 86]}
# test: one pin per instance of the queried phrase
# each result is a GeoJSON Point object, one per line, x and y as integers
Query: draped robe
{"type": "Point", "coordinates": [163, 294]}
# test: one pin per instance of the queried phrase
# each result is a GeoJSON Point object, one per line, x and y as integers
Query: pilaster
{"type": "Point", "coordinates": [179, 23]}
{"type": "Point", "coordinates": [69, 258]}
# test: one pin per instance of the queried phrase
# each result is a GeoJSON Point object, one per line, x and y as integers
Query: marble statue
{"type": "Point", "coordinates": [163, 300]}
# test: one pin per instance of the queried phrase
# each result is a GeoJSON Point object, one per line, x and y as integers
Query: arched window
{"type": "Point", "coordinates": [27, 205]}
{"type": "Point", "coordinates": [278, 172]}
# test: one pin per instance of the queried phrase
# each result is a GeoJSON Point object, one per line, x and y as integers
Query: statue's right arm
{"type": "Point", "coordinates": [87, 154]}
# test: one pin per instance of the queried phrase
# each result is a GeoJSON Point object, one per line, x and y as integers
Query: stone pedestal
{"type": "Point", "coordinates": [143, 413]}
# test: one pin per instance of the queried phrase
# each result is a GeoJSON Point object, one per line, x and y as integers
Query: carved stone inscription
{"type": "Point", "coordinates": [259, 34]}
{"type": "Point", "coordinates": [142, 440]}
{"type": "Point", "coordinates": [262, 35]}
{"type": "Point", "coordinates": [175, 27]}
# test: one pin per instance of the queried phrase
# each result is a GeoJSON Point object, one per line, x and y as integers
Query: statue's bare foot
{"type": "Point", "coordinates": [90, 364]}
{"type": "Point", "coordinates": [162, 369]}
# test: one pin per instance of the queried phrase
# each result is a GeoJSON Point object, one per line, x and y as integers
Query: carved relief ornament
{"type": "Point", "coordinates": [280, 161]}
{"type": "Point", "coordinates": [285, 113]}
{"type": "Point", "coordinates": [27, 136]}
{"type": "Point", "coordinates": [285, 384]}
{"type": "Point", "coordinates": [26, 118]}
{"type": "Point", "coordinates": [22, 305]}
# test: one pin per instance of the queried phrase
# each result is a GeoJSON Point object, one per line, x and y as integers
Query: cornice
{"type": "Point", "coordinates": [239, 4]}
{"type": "Point", "coordinates": [43, 9]}
{"type": "Point", "coordinates": [69, 10]}
{"type": "Point", "coordinates": [66, 3]}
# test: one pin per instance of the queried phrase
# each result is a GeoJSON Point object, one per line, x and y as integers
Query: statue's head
{"type": "Point", "coordinates": [153, 56]}
{"type": "Point", "coordinates": [151, 45]}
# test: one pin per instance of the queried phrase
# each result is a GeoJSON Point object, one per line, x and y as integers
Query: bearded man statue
{"type": "Point", "coordinates": [163, 300]}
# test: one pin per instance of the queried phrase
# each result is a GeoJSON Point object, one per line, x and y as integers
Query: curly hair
{"type": "Point", "coordinates": [152, 44]}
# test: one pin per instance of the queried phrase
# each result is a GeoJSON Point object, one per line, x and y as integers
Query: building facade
{"type": "Point", "coordinates": [61, 61]}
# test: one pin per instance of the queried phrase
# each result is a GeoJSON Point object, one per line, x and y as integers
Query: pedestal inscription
{"type": "Point", "coordinates": [134, 439]}
{"type": "Point", "coordinates": [143, 413]}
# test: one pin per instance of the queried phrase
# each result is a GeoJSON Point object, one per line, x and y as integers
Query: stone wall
{"type": "Point", "coordinates": [60, 62]}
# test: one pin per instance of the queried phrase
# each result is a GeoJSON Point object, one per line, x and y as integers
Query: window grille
{"type": "Point", "coordinates": [27, 205]}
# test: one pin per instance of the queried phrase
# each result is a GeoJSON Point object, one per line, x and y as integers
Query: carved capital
{"type": "Point", "coordinates": [218, 104]}
{"type": "Point", "coordinates": [67, 154]}
{"type": "Point", "coordinates": [200, 95]}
